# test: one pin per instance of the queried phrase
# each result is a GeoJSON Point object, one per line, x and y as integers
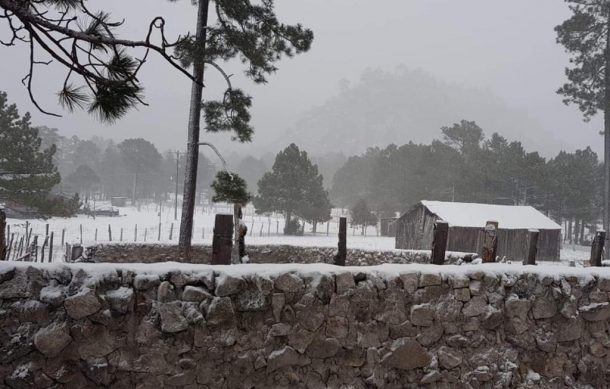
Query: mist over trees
{"type": "Point", "coordinates": [469, 167]}
{"type": "Point", "coordinates": [404, 105]}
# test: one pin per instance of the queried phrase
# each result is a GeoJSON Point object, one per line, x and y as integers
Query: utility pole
{"type": "Point", "coordinates": [176, 179]}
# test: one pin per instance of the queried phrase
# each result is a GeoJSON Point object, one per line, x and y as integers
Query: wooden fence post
{"type": "Point", "coordinates": [261, 233]}
{"type": "Point", "coordinates": [327, 228]}
{"type": "Point", "coordinates": [171, 231]}
{"type": "Point", "coordinates": [109, 233]}
{"type": "Point", "coordinates": [490, 242]}
{"type": "Point", "coordinates": [2, 235]}
{"type": "Point", "coordinates": [597, 248]}
{"type": "Point", "coordinates": [532, 247]}
{"type": "Point", "coordinates": [43, 248]}
{"type": "Point", "coordinates": [121, 235]}
{"type": "Point", "coordinates": [135, 233]}
{"type": "Point", "coordinates": [63, 236]}
{"type": "Point", "coordinates": [81, 234]}
{"type": "Point", "coordinates": [159, 234]}
{"type": "Point", "coordinates": [439, 242]}
{"type": "Point", "coordinates": [341, 256]}
{"type": "Point", "coordinates": [95, 236]}
{"type": "Point", "coordinates": [222, 241]}
{"type": "Point", "coordinates": [51, 247]}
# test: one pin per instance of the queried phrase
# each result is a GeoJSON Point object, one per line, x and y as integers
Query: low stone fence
{"type": "Point", "coordinates": [306, 326]}
{"type": "Point", "coordinates": [149, 253]}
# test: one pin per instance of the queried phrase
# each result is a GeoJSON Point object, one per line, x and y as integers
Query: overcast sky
{"type": "Point", "coordinates": [507, 47]}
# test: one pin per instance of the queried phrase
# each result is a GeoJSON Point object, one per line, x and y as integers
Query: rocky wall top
{"type": "Point", "coordinates": [303, 326]}
{"type": "Point", "coordinates": [149, 253]}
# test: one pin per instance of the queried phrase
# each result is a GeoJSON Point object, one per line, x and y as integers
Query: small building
{"type": "Point", "coordinates": [388, 226]}
{"type": "Point", "coordinates": [415, 228]}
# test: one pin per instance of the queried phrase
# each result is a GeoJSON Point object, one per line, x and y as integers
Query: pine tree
{"type": "Point", "coordinates": [294, 188]}
{"type": "Point", "coordinates": [362, 216]}
{"type": "Point", "coordinates": [83, 179]}
{"type": "Point", "coordinates": [586, 36]}
{"type": "Point", "coordinates": [27, 172]}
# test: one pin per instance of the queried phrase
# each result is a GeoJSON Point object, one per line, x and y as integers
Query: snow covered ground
{"type": "Point", "coordinates": [143, 226]}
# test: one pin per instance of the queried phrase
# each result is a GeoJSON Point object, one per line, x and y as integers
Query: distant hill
{"type": "Point", "coordinates": [407, 105]}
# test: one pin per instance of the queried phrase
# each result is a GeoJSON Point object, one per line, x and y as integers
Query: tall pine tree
{"type": "Point", "coordinates": [294, 188]}
{"type": "Point", "coordinates": [27, 172]}
{"type": "Point", "coordinates": [586, 36]}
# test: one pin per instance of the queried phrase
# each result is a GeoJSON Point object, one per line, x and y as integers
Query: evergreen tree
{"type": "Point", "coordinates": [294, 188]}
{"type": "Point", "coordinates": [83, 179]}
{"type": "Point", "coordinates": [586, 36]}
{"type": "Point", "coordinates": [362, 215]}
{"type": "Point", "coordinates": [143, 161]}
{"type": "Point", "coordinates": [27, 172]}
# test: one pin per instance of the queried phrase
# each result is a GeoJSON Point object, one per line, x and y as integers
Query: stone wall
{"type": "Point", "coordinates": [149, 253]}
{"type": "Point", "coordinates": [308, 326]}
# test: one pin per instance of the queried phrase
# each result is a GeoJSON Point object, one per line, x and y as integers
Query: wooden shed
{"type": "Point", "coordinates": [414, 229]}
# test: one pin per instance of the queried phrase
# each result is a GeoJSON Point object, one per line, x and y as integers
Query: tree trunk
{"type": "Point", "coordinates": [235, 256]}
{"type": "Point", "coordinates": [288, 218]}
{"type": "Point", "coordinates": [192, 150]}
{"type": "Point", "coordinates": [582, 233]}
{"type": "Point", "coordinates": [315, 226]}
{"type": "Point", "coordinates": [576, 231]}
{"type": "Point", "coordinates": [570, 231]}
{"type": "Point", "coordinates": [607, 131]}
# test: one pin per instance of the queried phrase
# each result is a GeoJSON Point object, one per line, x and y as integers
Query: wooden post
{"type": "Point", "coordinates": [63, 236]}
{"type": "Point", "coordinates": [171, 231]}
{"type": "Point", "coordinates": [145, 234]}
{"type": "Point", "coordinates": [2, 235]}
{"type": "Point", "coordinates": [202, 233]}
{"type": "Point", "coordinates": [261, 233]}
{"type": "Point", "coordinates": [490, 242]}
{"type": "Point", "coordinates": [597, 248]}
{"type": "Point", "coordinates": [222, 241]}
{"type": "Point", "coordinates": [43, 248]}
{"type": "Point", "coordinates": [135, 233]}
{"type": "Point", "coordinates": [327, 228]}
{"type": "Point", "coordinates": [81, 234]}
{"type": "Point", "coordinates": [439, 242]}
{"type": "Point", "coordinates": [277, 227]}
{"type": "Point", "coordinates": [11, 247]}
{"type": "Point", "coordinates": [532, 247]}
{"type": "Point", "coordinates": [341, 256]}
{"type": "Point", "coordinates": [51, 247]}
{"type": "Point", "coordinates": [27, 236]}
{"type": "Point", "coordinates": [34, 249]}
{"type": "Point", "coordinates": [121, 235]}
{"type": "Point", "coordinates": [46, 229]}
{"type": "Point", "coordinates": [159, 234]}
{"type": "Point", "coordinates": [109, 233]}
{"type": "Point", "coordinates": [76, 252]}
{"type": "Point", "coordinates": [95, 236]}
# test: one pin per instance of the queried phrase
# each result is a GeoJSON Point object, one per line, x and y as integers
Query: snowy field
{"type": "Point", "coordinates": [143, 225]}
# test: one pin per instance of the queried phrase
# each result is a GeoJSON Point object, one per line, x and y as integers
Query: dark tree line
{"type": "Point", "coordinates": [466, 166]}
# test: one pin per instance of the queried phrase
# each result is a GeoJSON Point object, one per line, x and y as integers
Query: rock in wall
{"type": "Point", "coordinates": [316, 326]}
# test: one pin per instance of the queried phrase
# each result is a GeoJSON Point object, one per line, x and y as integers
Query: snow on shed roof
{"type": "Point", "coordinates": [509, 217]}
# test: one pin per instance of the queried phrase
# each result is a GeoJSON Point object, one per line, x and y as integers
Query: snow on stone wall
{"type": "Point", "coordinates": [149, 253]}
{"type": "Point", "coordinates": [302, 326]}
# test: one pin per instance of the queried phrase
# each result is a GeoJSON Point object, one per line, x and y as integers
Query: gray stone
{"type": "Point", "coordinates": [344, 282]}
{"type": "Point", "coordinates": [98, 342]}
{"type": "Point", "coordinates": [431, 377]}
{"type": "Point", "coordinates": [595, 312]}
{"type": "Point", "coordinates": [430, 335]}
{"type": "Point", "coordinates": [492, 318]}
{"type": "Point", "coordinates": [449, 358]}
{"type": "Point", "coordinates": [254, 294]}
{"type": "Point", "coordinates": [52, 339]}
{"type": "Point", "coordinates": [300, 338]}
{"type": "Point", "coordinates": [280, 329]}
{"type": "Point", "coordinates": [459, 281]}
{"type": "Point", "coordinates": [516, 307]}
{"type": "Point", "coordinates": [166, 292]}
{"type": "Point", "coordinates": [406, 354]}
{"type": "Point", "coordinates": [227, 285]}
{"type": "Point", "coordinates": [475, 307]}
{"type": "Point", "coordinates": [278, 300]}
{"type": "Point", "coordinates": [53, 295]}
{"type": "Point", "coordinates": [83, 304]}
{"type": "Point", "coordinates": [475, 287]}
{"type": "Point", "coordinates": [119, 300]}
{"type": "Point", "coordinates": [172, 319]}
{"type": "Point", "coordinates": [220, 312]}
{"type": "Point", "coordinates": [570, 330]}
{"type": "Point", "coordinates": [289, 283]}
{"type": "Point", "coordinates": [430, 279]}
{"type": "Point", "coordinates": [195, 294]}
{"type": "Point", "coordinates": [146, 281]}
{"type": "Point", "coordinates": [284, 357]}
{"type": "Point", "coordinates": [410, 282]}
{"type": "Point", "coordinates": [322, 348]}
{"type": "Point", "coordinates": [544, 308]}
{"type": "Point", "coordinates": [462, 294]}
{"type": "Point", "coordinates": [422, 315]}
{"type": "Point", "coordinates": [21, 284]}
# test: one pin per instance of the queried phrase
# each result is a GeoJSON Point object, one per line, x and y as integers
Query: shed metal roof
{"type": "Point", "coordinates": [509, 217]}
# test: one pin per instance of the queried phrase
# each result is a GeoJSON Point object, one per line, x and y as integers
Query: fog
{"type": "Point", "coordinates": [495, 50]}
